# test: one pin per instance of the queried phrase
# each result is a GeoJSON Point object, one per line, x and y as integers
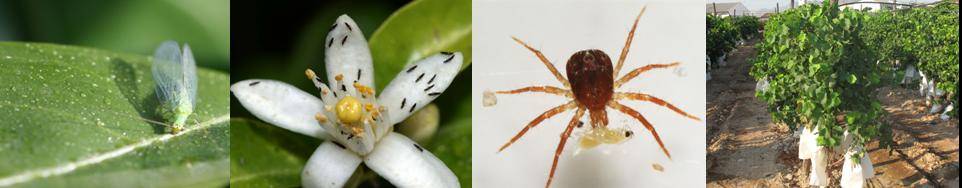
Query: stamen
{"type": "Point", "coordinates": [364, 90]}
{"type": "Point", "coordinates": [369, 107]}
{"type": "Point", "coordinates": [320, 118]}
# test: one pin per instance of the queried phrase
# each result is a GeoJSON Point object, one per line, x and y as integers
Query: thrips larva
{"type": "Point", "coordinates": [175, 73]}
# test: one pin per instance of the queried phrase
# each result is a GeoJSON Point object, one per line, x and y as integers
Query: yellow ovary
{"type": "Point", "coordinates": [349, 110]}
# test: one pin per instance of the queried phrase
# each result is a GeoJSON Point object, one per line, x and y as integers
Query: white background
{"type": "Point", "coordinates": [668, 31]}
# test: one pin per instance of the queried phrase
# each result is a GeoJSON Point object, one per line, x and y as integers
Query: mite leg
{"type": "Point", "coordinates": [561, 145]}
{"type": "Point", "coordinates": [652, 99]}
{"type": "Point", "coordinates": [630, 112]}
{"type": "Point", "coordinates": [536, 121]}
{"type": "Point", "coordinates": [634, 73]}
{"type": "Point", "coordinates": [624, 51]}
{"type": "Point", "coordinates": [547, 63]}
{"type": "Point", "coordinates": [543, 89]}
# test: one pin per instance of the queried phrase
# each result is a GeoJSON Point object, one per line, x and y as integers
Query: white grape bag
{"type": "Point", "coordinates": [855, 174]}
{"type": "Point", "coordinates": [761, 85]}
{"type": "Point", "coordinates": [936, 108]}
{"type": "Point", "coordinates": [818, 175]}
{"type": "Point", "coordinates": [910, 74]}
{"type": "Point", "coordinates": [851, 173]}
{"type": "Point", "coordinates": [923, 85]}
{"type": "Point", "coordinates": [721, 60]}
{"type": "Point", "coordinates": [945, 114]}
{"type": "Point", "coordinates": [846, 142]}
{"type": "Point", "coordinates": [936, 92]}
{"type": "Point", "coordinates": [868, 169]}
{"type": "Point", "coordinates": [806, 144]}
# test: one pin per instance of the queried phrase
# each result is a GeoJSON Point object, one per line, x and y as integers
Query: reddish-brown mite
{"type": "Point", "coordinates": [591, 85]}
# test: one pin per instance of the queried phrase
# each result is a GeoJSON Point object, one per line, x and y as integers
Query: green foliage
{"type": "Point", "coordinates": [885, 33]}
{"type": "Point", "coordinates": [747, 26]}
{"type": "Point", "coordinates": [61, 105]}
{"type": "Point", "coordinates": [721, 36]}
{"type": "Point", "coordinates": [927, 37]}
{"type": "Point", "coordinates": [936, 44]}
{"type": "Point", "coordinates": [821, 75]}
{"type": "Point", "coordinates": [264, 155]}
{"type": "Point", "coordinates": [419, 29]}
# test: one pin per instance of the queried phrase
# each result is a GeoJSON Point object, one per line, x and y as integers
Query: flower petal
{"type": "Point", "coordinates": [347, 54]}
{"type": "Point", "coordinates": [281, 104]}
{"type": "Point", "coordinates": [331, 165]}
{"type": "Point", "coordinates": [418, 84]}
{"type": "Point", "coordinates": [406, 164]}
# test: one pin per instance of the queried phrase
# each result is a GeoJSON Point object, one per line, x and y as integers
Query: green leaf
{"type": "Point", "coordinates": [264, 155]}
{"type": "Point", "coordinates": [75, 117]}
{"type": "Point", "coordinates": [419, 29]}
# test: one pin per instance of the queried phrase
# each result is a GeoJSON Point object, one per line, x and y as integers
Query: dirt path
{"type": "Point", "coordinates": [745, 149]}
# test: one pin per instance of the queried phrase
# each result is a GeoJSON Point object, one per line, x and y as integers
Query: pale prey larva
{"type": "Point", "coordinates": [176, 76]}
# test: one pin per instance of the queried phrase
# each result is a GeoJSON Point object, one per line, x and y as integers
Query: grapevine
{"type": "Point", "coordinates": [926, 37]}
{"type": "Point", "coordinates": [721, 36]}
{"type": "Point", "coordinates": [821, 74]}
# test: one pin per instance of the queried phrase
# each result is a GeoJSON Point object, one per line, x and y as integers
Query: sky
{"type": "Point", "coordinates": [756, 5]}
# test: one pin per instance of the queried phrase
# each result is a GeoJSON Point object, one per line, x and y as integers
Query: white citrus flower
{"type": "Point", "coordinates": [356, 125]}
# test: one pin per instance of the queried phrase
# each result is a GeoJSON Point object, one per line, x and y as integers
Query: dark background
{"type": "Point", "coordinates": [129, 26]}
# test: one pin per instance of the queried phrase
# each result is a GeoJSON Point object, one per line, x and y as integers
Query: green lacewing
{"type": "Point", "coordinates": [175, 73]}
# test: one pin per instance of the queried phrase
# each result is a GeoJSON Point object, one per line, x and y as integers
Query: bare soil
{"type": "Point", "coordinates": [746, 149]}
